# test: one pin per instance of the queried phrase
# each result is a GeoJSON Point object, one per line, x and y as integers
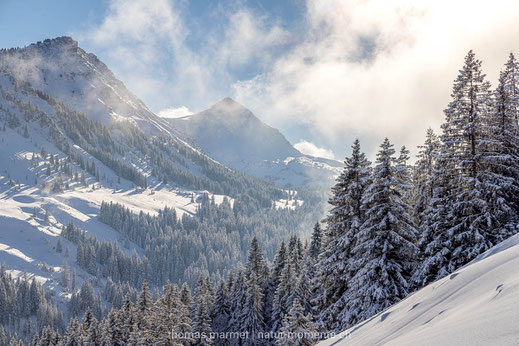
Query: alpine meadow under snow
{"type": "Point", "coordinates": [123, 228]}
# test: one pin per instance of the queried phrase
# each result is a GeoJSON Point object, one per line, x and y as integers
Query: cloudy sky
{"type": "Point", "coordinates": [323, 72]}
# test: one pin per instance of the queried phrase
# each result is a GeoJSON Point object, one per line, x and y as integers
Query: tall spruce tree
{"type": "Point", "coordinates": [237, 298]}
{"type": "Point", "coordinates": [315, 244]}
{"type": "Point", "coordinates": [221, 310]}
{"type": "Point", "coordinates": [304, 290]}
{"type": "Point", "coordinates": [256, 263]}
{"type": "Point", "coordinates": [343, 223]}
{"type": "Point", "coordinates": [273, 282]}
{"type": "Point", "coordinates": [298, 328]}
{"type": "Point", "coordinates": [384, 252]}
{"type": "Point", "coordinates": [170, 317]}
{"type": "Point", "coordinates": [256, 274]}
{"type": "Point", "coordinates": [423, 178]}
{"type": "Point", "coordinates": [470, 209]}
{"type": "Point", "coordinates": [143, 307]}
{"type": "Point", "coordinates": [252, 321]}
{"type": "Point", "coordinates": [73, 333]}
{"type": "Point", "coordinates": [185, 296]}
{"type": "Point", "coordinates": [502, 153]}
{"type": "Point", "coordinates": [467, 118]}
{"type": "Point", "coordinates": [65, 275]}
{"type": "Point", "coordinates": [285, 289]}
{"type": "Point", "coordinates": [404, 172]}
{"type": "Point", "coordinates": [201, 314]}
{"type": "Point", "coordinates": [127, 318]}
{"type": "Point", "coordinates": [434, 240]}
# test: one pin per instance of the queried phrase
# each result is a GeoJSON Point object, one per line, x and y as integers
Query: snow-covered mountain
{"type": "Point", "coordinates": [73, 136]}
{"type": "Point", "coordinates": [73, 91]}
{"type": "Point", "coordinates": [61, 69]}
{"type": "Point", "coordinates": [476, 305]}
{"type": "Point", "coordinates": [233, 135]}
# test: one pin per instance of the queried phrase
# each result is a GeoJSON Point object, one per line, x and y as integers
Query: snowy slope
{"type": "Point", "coordinates": [476, 305]}
{"type": "Point", "coordinates": [28, 244]}
{"type": "Point", "coordinates": [233, 135]}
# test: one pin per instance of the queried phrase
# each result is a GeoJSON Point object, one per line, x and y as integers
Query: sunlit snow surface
{"type": "Point", "coordinates": [28, 244]}
{"type": "Point", "coordinates": [476, 305]}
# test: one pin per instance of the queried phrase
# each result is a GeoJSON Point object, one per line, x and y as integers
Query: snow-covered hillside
{"type": "Point", "coordinates": [233, 135]}
{"type": "Point", "coordinates": [72, 136]}
{"type": "Point", "coordinates": [28, 243]}
{"type": "Point", "coordinates": [476, 305]}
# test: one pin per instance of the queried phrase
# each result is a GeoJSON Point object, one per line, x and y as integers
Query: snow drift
{"type": "Point", "coordinates": [476, 305]}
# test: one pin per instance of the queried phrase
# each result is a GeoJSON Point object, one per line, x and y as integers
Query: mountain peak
{"type": "Point", "coordinates": [229, 131]}
{"type": "Point", "coordinates": [62, 41]}
{"type": "Point", "coordinates": [227, 100]}
{"type": "Point", "coordinates": [63, 70]}
{"type": "Point", "coordinates": [229, 108]}
{"type": "Point", "coordinates": [233, 135]}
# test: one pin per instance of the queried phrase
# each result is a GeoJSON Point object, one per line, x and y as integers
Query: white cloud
{"type": "Point", "coordinates": [399, 86]}
{"type": "Point", "coordinates": [174, 112]}
{"type": "Point", "coordinates": [311, 149]}
{"type": "Point", "coordinates": [146, 44]}
{"type": "Point", "coordinates": [249, 37]}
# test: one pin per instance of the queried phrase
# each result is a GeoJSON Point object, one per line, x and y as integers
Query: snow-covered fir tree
{"type": "Point", "coordinates": [284, 291]}
{"type": "Point", "coordinates": [237, 298]}
{"type": "Point", "coordinates": [220, 313]}
{"type": "Point", "coordinates": [316, 243]}
{"type": "Point", "coordinates": [343, 224]}
{"type": "Point", "coordinates": [467, 118]}
{"type": "Point", "coordinates": [171, 319]}
{"type": "Point", "coordinates": [298, 328]}
{"type": "Point", "coordinates": [252, 312]}
{"type": "Point", "coordinates": [384, 253]}
{"type": "Point", "coordinates": [423, 178]}
{"type": "Point", "coordinates": [272, 284]}
{"type": "Point", "coordinates": [433, 240]}
{"type": "Point", "coordinates": [473, 206]}
{"type": "Point", "coordinates": [256, 273]}
{"type": "Point", "coordinates": [502, 153]}
{"type": "Point", "coordinates": [201, 314]}
{"type": "Point", "coordinates": [65, 275]}
{"type": "Point", "coordinates": [404, 173]}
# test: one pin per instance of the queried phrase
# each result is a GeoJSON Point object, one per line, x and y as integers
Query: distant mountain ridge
{"type": "Point", "coordinates": [233, 135]}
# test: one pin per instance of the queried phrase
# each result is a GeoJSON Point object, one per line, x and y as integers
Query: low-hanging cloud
{"type": "Point", "coordinates": [377, 68]}
{"type": "Point", "coordinates": [174, 112]}
{"type": "Point", "coordinates": [311, 149]}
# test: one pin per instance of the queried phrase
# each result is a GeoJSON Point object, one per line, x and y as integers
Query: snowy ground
{"type": "Point", "coordinates": [28, 244]}
{"type": "Point", "coordinates": [476, 305]}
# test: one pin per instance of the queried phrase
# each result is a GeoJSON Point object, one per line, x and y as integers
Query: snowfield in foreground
{"type": "Point", "coordinates": [476, 305]}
